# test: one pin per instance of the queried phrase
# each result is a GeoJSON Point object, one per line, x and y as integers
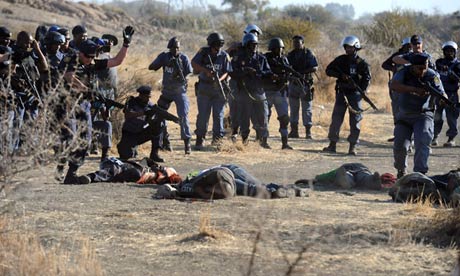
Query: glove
{"type": "Point", "coordinates": [127, 35]}
{"type": "Point", "coordinates": [149, 112]}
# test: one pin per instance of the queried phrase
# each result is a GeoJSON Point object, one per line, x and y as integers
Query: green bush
{"type": "Point", "coordinates": [286, 28]}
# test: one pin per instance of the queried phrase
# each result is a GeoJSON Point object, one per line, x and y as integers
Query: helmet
{"type": "Point", "coordinates": [351, 40]}
{"type": "Point", "coordinates": [172, 42]}
{"type": "Point", "coordinates": [450, 44]}
{"type": "Point", "coordinates": [54, 38]}
{"type": "Point", "coordinates": [4, 32]}
{"type": "Point", "coordinates": [405, 41]}
{"type": "Point", "coordinates": [53, 28]}
{"type": "Point", "coordinates": [250, 38]}
{"type": "Point", "coordinates": [215, 38]}
{"type": "Point", "coordinates": [251, 28]}
{"type": "Point", "coordinates": [275, 43]}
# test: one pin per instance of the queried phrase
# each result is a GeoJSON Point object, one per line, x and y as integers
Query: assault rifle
{"type": "Point", "coordinates": [452, 74]}
{"type": "Point", "coordinates": [291, 70]}
{"type": "Point", "coordinates": [217, 79]}
{"type": "Point", "coordinates": [155, 112]}
{"type": "Point", "coordinates": [108, 102]}
{"type": "Point", "coordinates": [33, 89]}
{"type": "Point", "coordinates": [360, 90]}
{"type": "Point", "coordinates": [178, 69]}
{"type": "Point", "coordinates": [435, 92]}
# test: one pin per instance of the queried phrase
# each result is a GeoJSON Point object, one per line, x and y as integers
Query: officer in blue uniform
{"type": "Point", "coordinates": [276, 87]}
{"type": "Point", "coordinates": [139, 127]}
{"type": "Point", "coordinates": [213, 65]}
{"type": "Point", "coordinates": [449, 71]}
{"type": "Point", "coordinates": [416, 43]}
{"type": "Point", "coordinates": [250, 68]}
{"type": "Point", "coordinates": [348, 68]}
{"type": "Point", "coordinates": [79, 34]}
{"type": "Point", "coordinates": [415, 116]}
{"type": "Point", "coordinates": [176, 67]}
{"type": "Point", "coordinates": [80, 75]}
{"type": "Point", "coordinates": [301, 91]}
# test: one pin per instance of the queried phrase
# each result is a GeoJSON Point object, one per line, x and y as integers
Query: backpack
{"type": "Point", "coordinates": [213, 183]}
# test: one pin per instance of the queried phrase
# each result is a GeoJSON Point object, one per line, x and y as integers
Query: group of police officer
{"type": "Point", "coordinates": [250, 82]}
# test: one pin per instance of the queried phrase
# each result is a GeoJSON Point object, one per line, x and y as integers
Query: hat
{"type": "Point", "coordinates": [53, 28]}
{"type": "Point", "coordinates": [144, 90]}
{"type": "Point", "coordinates": [299, 37]}
{"type": "Point", "coordinates": [110, 38]}
{"type": "Point", "coordinates": [416, 39]}
{"type": "Point", "coordinates": [79, 29]}
{"type": "Point", "coordinates": [4, 32]}
{"type": "Point", "coordinates": [419, 59]}
{"type": "Point", "coordinates": [88, 47]}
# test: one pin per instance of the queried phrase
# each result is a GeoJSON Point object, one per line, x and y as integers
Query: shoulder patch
{"type": "Point", "coordinates": [437, 80]}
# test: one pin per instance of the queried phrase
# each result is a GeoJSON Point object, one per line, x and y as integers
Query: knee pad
{"type": "Point", "coordinates": [284, 121]}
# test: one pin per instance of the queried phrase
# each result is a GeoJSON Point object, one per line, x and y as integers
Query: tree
{"type": "Point", "coordinates": [242, 6]}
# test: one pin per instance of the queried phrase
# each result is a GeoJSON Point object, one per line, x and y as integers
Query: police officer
{"type": "Point", "coordinates": [79, 34]}
{"type": "Point", "coordinates": [448, 68]}
{"type": "Point", "coordinates": [80, 75]}
{"type": "Point", "coordinates": [276, 87]}
{"type": "Point", "coordinates": [232, 100]}
{"type": "Point", "coordinates": [64, 47]}
{"type": "Point", "coordinates": [392, 68]}
{"type": "Point", "coordinates": [176, 67]}
{"type": "Point", "coordinates": [140, 126]}
{"type": "Point", "coordinates": [349, 69]}
{"type": "Point", "coordinates": [301, 91]}
{"type": "Point", "coordinates": [5, 36]}
{"type": "Point", "coordinates": [415, 116]}
{"type": "Point", "coordinates": [250, 68]}
{"type": "Point", "coordinates": [416, 43]}
{"type": "Point", "coordinates": [53, 41]}
{"type": "Point", "coordinates": [213, 65]}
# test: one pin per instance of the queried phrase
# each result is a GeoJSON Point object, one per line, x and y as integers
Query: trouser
{"type": "Point", "coordinates": [421, 127]}
{"type": "Point", "coordinates": [182, 108]}
{"type": "Point", "coordinates": [255, 109]}
{"type": "Point", "coordinates": [74, 135]}
{"type": "Point", "coordinates": [205, 105]}
{"type": "Point", "coordinates": [452, 115]}
{"type": "Point", "coordinates": [129, 142]}
{"type": "Point", "coordinates": [103, 129]}
{"type": "Point", "coordinates": [233, 105]}
{"type": "Point", "coordinates": [279, 100]}
{"type": "Point", "coordinates": [338, 114]}
{"type": "Point", "coordinates": [394, 104]}
{"type": "Point", "coordinates": [298, 99]}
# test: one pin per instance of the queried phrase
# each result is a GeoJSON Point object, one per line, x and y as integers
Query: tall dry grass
{"type": "Point", "coordinates": [22, 253]}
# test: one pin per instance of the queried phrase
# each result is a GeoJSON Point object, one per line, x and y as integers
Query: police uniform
{"type": "Point", "coordinates": [209, 95]}
{"type": "Point", "coordinates": [251, 97]}
{"type": "Point", "coordinates": [347, 95]}
{"type": "Point", "coordinates": [451, 86]}
{"type": "Point", "coordinates": [140, 129]}
{"type": "Point", "coordinates": [276, 91]}
{"type": "Point", "coordinates": [174, 88]}
{"type": "Point", "coordinates": [300, 92]}
{"type": "Point", "coordinates": [415, 117]}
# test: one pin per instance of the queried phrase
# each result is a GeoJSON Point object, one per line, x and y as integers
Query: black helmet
{"type": "Point", "coordinates": [215, 39]}
{"type": "Point", "coordinates": [4, 32]}
{"type": "Point", "coordinates": [172, 42]}
{"type": "Point", "coordinates": [275, 43]}
{"type": "Point", "coordinates": [54, 38]}
{"type": "Point", "coordinates": [249, 38]}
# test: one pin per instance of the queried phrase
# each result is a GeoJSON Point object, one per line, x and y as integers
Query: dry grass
{"type": "Point", "coordinates": [22, 253]}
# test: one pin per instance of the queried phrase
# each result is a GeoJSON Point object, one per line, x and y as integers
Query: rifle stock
{"type": "Point", "coordinates": [438, 94]}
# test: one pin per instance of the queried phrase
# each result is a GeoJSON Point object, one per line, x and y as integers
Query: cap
{"type": "Point", "coordinates": [88, 47]}
{"type": "Point", "coordinates": [144, 90]}
{"type": "Point", "coordinates": [110, 38]}
{"type": "Point", "coordinates": [419, 59]}
{"type": "Point", "coordinates": [299, 37]}
{"type": "Point", "coordinates": [415, 39]}
{"type": "Point", "coordinates": [79, 29]}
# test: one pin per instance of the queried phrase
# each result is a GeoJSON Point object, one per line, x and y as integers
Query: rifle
{"type": "Point", "coordinates": [360, 90]}
{"type": "Point", "coordinates": [217, 79]}
{"type": "Point", "coordinates": [31, 84]}
{"type": "Point", "coordinates": [291, 70]}
{"type": "Point", "coordinates": [108, 102]}
{"type": "Point", "coordinates": [178, 69]}
{"type": "Point", "coordinates": [452, 74]}
{"type": "Point", "coordinates": [156, 112]}
{"type": "Point", "coordinates": [438, 94]}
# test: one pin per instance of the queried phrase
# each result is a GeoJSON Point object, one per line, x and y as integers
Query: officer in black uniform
{"type": "Point", "coordinates": [140, 127]}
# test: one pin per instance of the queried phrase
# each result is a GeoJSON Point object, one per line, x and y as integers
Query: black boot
{"type": "Point", "coordinates": [331, 147]}
{"type": "Point", "coordinates": [72, 178]}
{"type": "Point", "coordinates": [308, 132]}
{"type": "Point", "coordinates": [258, 137]}
{"type": "Point", "coordinates": [284, 141]}
{"type": "Point", "coordinates": [294, 131]}
{"type": "Point", "coordinates": [264, 144]}
{"type": "Point", "coordinates": [245, 140]}
{"type": "Point", "coordinates": [104, 155]}
{"type": "Point", "coordinates": [352, 149]}
{"type": "Point", "coordinates": [234, 134]}
{"type": "Point", "coordinates": [199, 143]}
{"type": "Point", "coordinates": [187, 146]}
{"type": "Point", "coordinates": [166, 143]}
{"type": "Point", "coordinates": [155, 157]}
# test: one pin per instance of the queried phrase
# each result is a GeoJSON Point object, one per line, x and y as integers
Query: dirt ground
{"type": "Point", "coordinates": [331, 232]}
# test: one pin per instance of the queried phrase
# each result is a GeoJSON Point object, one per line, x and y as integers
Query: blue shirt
{"type": "Point", "coordinates": [409, 103]}
{"type": "Point", "coordinates": [172, 78]}
{"type": "Point", "coordinates": [449, 83]}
